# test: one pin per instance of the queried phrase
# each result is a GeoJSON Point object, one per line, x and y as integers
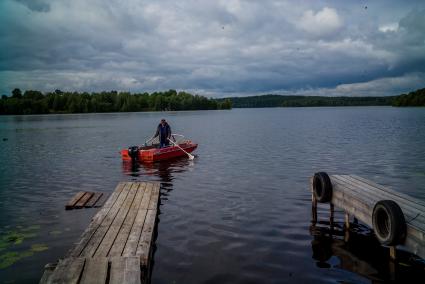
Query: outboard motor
{"type": "Point", "coordinates": [133, 152]}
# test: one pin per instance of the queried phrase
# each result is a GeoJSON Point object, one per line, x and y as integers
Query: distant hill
{"type": "Point", "coordinates": [416, 98]}
{"type": "Point", "coordinates": [307, 101]}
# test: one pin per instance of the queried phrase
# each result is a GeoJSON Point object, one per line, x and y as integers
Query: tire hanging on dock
{"type": "Point", "coordinates": [389, 223]}
{"type": "Point", "coordinates": [322, 187]}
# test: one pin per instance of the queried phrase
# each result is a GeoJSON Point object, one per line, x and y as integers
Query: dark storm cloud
{"type": "Point", "coordinates": [217, 48]}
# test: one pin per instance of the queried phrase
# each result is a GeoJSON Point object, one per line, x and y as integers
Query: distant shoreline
{"type": "Point", "coordinates": [35, 102]}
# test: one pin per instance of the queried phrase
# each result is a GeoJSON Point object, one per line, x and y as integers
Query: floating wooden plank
{"type": "Point", "coordinates": [86, 197]}
{"type": "Point", "coordinates": [91, 203]}
{"type": "Point", "coordinates": [117, 245]}
{"type": "Point", "coordinates": [74, 200]}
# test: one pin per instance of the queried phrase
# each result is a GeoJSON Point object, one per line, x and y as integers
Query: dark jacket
{"type": "Point", "coordinates": [163, 135]}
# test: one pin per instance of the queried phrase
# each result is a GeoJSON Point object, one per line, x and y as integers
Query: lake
{"type": "Point", "coordinates": [239, 213]}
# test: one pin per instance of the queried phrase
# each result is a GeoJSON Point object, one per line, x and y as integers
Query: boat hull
{"type": "Point", "coordinates": [160, 154]}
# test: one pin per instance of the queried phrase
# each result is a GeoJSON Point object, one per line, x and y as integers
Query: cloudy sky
{"type": "Point", "coordinates": [216, 48]}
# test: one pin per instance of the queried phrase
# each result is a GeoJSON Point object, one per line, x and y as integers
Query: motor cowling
{"type": "Point", "coordinates": [133, 152]}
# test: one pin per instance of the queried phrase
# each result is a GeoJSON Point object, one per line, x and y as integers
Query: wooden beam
{"type": "Point", "coordinates": [86, 197]}
{"type": "Point", "coordinates": [93, 200]}
{"type": "Point", "coordinates": [95, 271]}
{"type": "Point", "coordinates": [70, 205]}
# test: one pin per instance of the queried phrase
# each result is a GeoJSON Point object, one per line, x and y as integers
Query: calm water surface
{"type": "Point", "coordinates": [239, 213]}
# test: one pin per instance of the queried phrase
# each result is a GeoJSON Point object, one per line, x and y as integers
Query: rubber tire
{"type": "Point", "coordinates": [389, 223]}
{"type": "Point", "coordinates": [322, 187]}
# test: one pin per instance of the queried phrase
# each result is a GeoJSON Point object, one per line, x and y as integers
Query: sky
{"type": "Point", "coordinates": [214, 48]}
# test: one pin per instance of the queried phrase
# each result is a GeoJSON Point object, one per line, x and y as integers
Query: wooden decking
{"type": "Point", "coordinates": [85, 199]}
{"type": "Point", "coordinates": [116, 246]}
{"type": "Point", "coordinates": [357, 197]}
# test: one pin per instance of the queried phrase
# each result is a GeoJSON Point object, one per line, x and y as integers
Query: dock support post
{"type": "Point", "coordinates": [313, 203]}
{"type": "Point", "coordinates": [347, 227]}
{"type": "Point", "coordinates": [393, 252]}
{"type": "Point", "coordinates": [314, 208]}
{"type": "Point", "coordinates": [347, 221]}
{"type": "Point", "coordinates": [393, 264]}
{"type": "Point", "coordinates": [332, 209]}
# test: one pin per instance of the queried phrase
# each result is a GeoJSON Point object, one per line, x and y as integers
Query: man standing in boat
{"type": "Point", "coordinates": [164, 132]}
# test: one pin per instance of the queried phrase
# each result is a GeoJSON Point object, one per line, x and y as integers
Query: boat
{"type": "Point", "coordinates": [150, 153]}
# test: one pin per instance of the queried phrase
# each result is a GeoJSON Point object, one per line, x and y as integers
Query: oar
{"type": "Point", "coordinates": [191, 157]}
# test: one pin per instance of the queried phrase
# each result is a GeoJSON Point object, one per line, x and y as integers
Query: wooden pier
{"type": "Point", "coordinates": [396, 218]}
{"type": "Point", "coordinates": [117, 245]}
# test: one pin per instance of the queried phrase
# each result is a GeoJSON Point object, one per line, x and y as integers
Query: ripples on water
{"type": "Point", "coordinates": [238, 213]}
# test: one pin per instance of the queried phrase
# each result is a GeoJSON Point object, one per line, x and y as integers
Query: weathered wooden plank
{"type": "Point", "coordinates": [124, 233]}
{"type": "Point", "coordinates": [102, 218]}
{"type": "Point", "coordinates": [68, 271]}
{"type": "Point", "coordinates": [382, 192]}
{"type": "Point", "coordinates": [146, 200]}
{"type": "Point", "coordinates": [48, 271]}
{"type": "Point", "coordinates": [111, 234]}
{"type": "Point", "coordinates": [134, 237]}
{"type": "Point", "coordinates": [93, 200]}
{"type": "Point", "coordinates": [98, 236]}
{"type": "Point", "coordinates": [373, 195]}
{"type": "Point", "coordinates": [365, 218]}
{"type": "Point", "coordinates": [389, 190]}
{"type": "Point", "coordinates": [144, 246]}
{"type": "Point", "coordinates": [83, 200]}
{"type": "Point", "coordinates": [74, 200]}
{"type": "Point", "coordinates": [414, 217]}
{"type": "Point", "coordinates": [353, 201]}
{"type": "Point", "coordinates": [125, 270]}
{"type": "Point", "coordinates": [153, 203]}
{"type": "Point", "coordinates": [95, 271]}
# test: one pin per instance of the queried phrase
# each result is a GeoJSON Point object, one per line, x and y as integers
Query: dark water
{"type": "Point", "coordinates": [239, 213]}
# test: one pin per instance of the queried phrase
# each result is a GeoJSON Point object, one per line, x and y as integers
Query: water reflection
{"type": "Point", "coordinates": [358, 251]}
{"type": "Point", "coordinates": [164, 171]}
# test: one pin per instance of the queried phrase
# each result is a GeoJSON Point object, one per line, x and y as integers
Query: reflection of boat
{"type": "Point", "coordinates": [165, 172]}
{"type": "Point", "coordinates": [152, 153]}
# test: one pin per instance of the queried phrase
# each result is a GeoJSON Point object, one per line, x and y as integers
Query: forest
{"type": "Point", "coordinates": [307, 101]}
{"type": "Point", "coordinates": [416, 98]}
{"type": "Point", "coordinates": [35, 102]}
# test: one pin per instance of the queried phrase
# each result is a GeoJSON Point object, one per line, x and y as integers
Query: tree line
{"type": "Point", "coordinates": [307, 101]}
{"type": "Point", "coordinates": [35, 102]}
{"type": "Point", "coordinates": [416, 98]}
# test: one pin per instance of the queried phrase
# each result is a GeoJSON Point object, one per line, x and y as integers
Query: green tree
{"type": "Point", "coordinates": [16, 93]}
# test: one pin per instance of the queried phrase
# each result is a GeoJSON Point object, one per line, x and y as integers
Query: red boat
{"type": "Point", "coordinates": [153, 153]}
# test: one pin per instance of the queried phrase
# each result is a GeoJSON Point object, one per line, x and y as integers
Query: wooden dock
{"type": "Point", "coordinates": [117, 245]}
{"type": "Point", "coordinates": [363, 200]}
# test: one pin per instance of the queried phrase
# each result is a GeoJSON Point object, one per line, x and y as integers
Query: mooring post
{"type": "Point", "coordinates": [393, 252]}
{"type": "Point", "coordinates": [332, 209]}
{"type": "Point", "coordinates": [347, 227]}
{"type": "Point", "coordinates": [313, 203]}
{"type": "Point", "coordinates": [347, 221]}
{"type": "Point", "coordinates": [392, 264]}
{"type": "Point", "coordinates": [314, 208]}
